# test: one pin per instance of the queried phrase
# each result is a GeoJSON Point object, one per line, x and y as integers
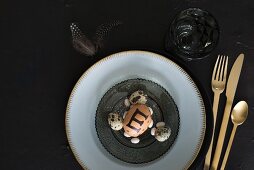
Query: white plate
{"type": "Point", "coordinates": [94, 83]}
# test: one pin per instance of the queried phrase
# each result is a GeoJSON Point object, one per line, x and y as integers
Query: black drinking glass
{"type": "Point", "coordinates": [193, 34]}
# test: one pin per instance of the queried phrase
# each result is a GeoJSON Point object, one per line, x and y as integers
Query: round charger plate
{"type": "Point", "coordinates": [96, 81]}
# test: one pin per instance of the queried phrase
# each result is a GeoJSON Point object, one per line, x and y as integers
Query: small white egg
{"type": "Point", "coordinates": [153, 131]}
{"type": "Point", "coordinates": [135, 140]}
{"type": "Point", "coordinates": [127, 102]}
{"type": "Point", "coordinates": [151, 124]}
{"type": "Point", "coordinates": [151, 110]}
{"type": "Point", "coordinates": [126, 135]}
{"type": "Point", "coordinates": [124, 114]}
{"type": "Point", "coordinates": [160, 124]}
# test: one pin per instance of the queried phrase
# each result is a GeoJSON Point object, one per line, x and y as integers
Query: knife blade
{"type": "Point", "coordinates": [234, 77]}
{"type": "Point", "coordinates": [230, 94]}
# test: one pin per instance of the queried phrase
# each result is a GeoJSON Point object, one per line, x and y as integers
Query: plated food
{"type": "Point", "coordinates": [137, 119]}
{"type": "Point", "coordinates": [103, 88]}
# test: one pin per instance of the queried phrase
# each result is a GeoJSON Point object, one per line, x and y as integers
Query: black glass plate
{"type": "Point", "coordinates": [148, 149]}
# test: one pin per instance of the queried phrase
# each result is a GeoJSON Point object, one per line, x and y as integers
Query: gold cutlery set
{"type": "Point", "coordinates": [239, 112]}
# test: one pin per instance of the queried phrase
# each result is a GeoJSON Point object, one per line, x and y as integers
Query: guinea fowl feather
{"type": "Point", "coordinates": [80, 42]}
{"type": "Point", "coordinates": [103, 30]}
{"type": "Point", "coordinates": [84, 45]}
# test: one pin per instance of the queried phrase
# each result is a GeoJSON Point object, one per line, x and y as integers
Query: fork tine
{"type": "Point", "coordinates": [225, 70]}
{"type": "Point", "coordinates": [222, 68]}
{"type": "Point", "coordinates": [215, 67]}
{"type": "Point", "coordinates": [219, 68]}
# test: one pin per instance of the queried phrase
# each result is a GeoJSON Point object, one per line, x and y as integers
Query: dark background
{"type": "Point", "coordinates": [39, 67]}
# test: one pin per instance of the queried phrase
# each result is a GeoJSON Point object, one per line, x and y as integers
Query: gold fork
{"type": "Point", "coordinates": [218, 85]}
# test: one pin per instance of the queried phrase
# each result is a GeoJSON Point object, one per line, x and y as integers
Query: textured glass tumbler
{"type": "Point", "coordinates": [193, 34]}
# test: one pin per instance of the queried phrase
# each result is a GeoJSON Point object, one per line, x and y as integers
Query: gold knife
{"type": "Point", "coordinates": [230, 94]}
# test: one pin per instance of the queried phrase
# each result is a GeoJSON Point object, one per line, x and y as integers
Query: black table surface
{"type": "Point", "coordinates": [39, 67]}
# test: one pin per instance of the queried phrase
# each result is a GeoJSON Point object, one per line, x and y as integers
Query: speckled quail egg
{"type": "Point", "coordinates": [115, 121]}
{"type": "Point", "coordinates": [138, 97]}
{"type": "Point", "coordinates": [162, 133]}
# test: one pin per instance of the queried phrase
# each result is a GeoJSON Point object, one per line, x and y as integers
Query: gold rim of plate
{"type": "Point", "coordinates": [115, 55]}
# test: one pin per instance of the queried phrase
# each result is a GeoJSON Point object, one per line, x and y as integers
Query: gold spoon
{"type": "Point", "coordinates": [238, 116]}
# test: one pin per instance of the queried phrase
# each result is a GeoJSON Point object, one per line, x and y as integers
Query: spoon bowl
{"type": "Point", "coordinates": [239, 113]}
